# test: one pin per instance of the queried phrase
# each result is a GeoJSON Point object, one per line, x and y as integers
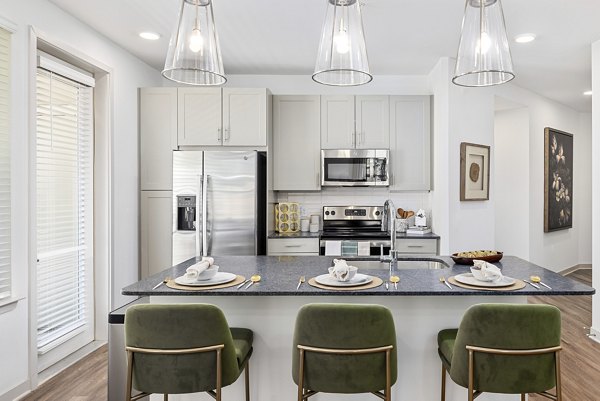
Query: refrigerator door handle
{"type": "Point", "coordinates": [205, 215]}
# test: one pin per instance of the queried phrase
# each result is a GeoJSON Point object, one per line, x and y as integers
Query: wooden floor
{"type": "Point", "coordinates": [580, 358]}
{"type": "Point", "coordinates": [87, 379]}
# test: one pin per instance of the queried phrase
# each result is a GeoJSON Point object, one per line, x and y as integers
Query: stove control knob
{"type": "Point", "coordinates": [333, 212]}
{"type": "Point", "coordinates": [377, 213]}
{"type": "Point", "coordinates": [327, 213]}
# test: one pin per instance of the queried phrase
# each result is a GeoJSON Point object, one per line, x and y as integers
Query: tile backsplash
{"type": "Point", "coordinates": [313, 202]}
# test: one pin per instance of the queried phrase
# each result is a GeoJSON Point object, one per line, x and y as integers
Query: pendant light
{"type": "Point", "coordinates": [342, 58]}
{"type": "Point", "coordinates": [483, 53]}
{"type": "Point", "coordinates": [194, 56]}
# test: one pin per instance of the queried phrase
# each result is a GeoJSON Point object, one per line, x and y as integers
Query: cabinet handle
{"type": "Point", "coordinates": [353, 139]}
{"type": "Point", "coordinates": [293, 246]}
{"type": "Point", "coordinates": [415, 246]}
{"type": "Point", "coordinates": [226, 134]}
{"type": "Point", "coordinates": [218, 134]}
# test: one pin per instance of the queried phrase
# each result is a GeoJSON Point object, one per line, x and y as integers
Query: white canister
{"type": "Point", "coordinates": [314, 228]}
{"type": "Point", "coordinates": [314, 219]}
{"type": "Point", "coordinates": [304, 225]}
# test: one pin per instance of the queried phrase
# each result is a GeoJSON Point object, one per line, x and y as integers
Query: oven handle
{"type": "Point", "coordinates": [372, 243]}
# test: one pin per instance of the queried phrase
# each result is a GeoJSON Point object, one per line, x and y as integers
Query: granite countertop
{"type": "Point", "coordinates": [280, 276]}
{"type": "Point", "coordinates": [274, 235]}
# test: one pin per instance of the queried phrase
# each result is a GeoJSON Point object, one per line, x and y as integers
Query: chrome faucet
{"type": "Point", "coordinates": [389, 223]}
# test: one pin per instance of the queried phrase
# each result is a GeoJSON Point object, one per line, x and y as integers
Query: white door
{"type": "Point", "coordinates": [199, 117]}
{"type": "Point", "coordinates": [156, 211]}
{"type": "Point", "coordinates": [296, 143]}
{"type": "Point", "coordinates": [337, 122]}
{"type": "Point", "coordinates": [410, 151]}
{"type": "Point", "coordinates": [158, 136]}
{"type": "Point", "coordinates": [372, 122]}
{"type": "Point", "coordinates": [244, 117]}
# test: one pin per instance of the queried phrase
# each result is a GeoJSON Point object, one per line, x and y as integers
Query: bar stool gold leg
{"type": "Point", "coordinates": [129, 374]}
{"type": "Point", "coordinates": [301, 375]}
{"type": "Point", "coordinates": [247, 380]}
{"type": "Point", "coordinates": [522, 397]}
{"type": "Point", "coordinates": [443, 395]}
{"type": "Point", "coordinates": [166, 397]}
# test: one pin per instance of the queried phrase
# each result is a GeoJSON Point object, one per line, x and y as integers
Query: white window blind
{"type": "Point", "coordinates": [5, 273]}
{"type": "Point", "coordinates": [64, 208]}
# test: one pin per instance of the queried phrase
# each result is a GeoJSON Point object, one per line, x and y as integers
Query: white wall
{"type": "Point", "coordinates": [128, 74]}
{"type": "Point", "coordinates": [596, 188]}
{"type": "Point", "coordinates": [471, 119]}
{"type": "Point", "coordinates": [511, 181]}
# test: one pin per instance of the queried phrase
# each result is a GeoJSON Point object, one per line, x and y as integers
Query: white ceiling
{"type": "Point", "coordinates": [404, 37]}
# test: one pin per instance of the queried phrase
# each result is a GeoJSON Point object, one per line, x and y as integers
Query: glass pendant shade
{"type": "Point", "coordinates": [342, 58]}
{"type": "Point", "coordinates": [194, 56]}
{"type": "Point", "coordinates": [483, 53]}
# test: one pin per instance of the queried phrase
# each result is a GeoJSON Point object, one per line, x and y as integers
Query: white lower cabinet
{"type": "Point", "coordinates": [417, 245]}
{"type": "Point", "coordinates": [156, 214]}
{"type": "Point", "coordinates": [293, 246]}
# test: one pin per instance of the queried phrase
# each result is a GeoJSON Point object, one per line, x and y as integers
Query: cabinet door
{"type": "Point", "coordinates": [296, 143]}
{"type": "Point", "coordinates": [372, 122]}
{"type": "Point", "coordinates": [244, 117]}
{"type": "Point", "coordinates": [199, 117]}
{"type": "Point", "coordinates": [410, 134]}
{"type": "Point", "coordinates": [156, 213]}
{"type": "Point", "coordinates": [337, 122]}
{"type": "Point", "coordinates": [158, 137]}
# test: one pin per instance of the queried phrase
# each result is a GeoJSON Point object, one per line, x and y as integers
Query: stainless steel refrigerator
{"type": "Point", "coordinates": [219, 203]}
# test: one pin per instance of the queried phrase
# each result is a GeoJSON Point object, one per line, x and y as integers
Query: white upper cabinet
{"type": "Point", "coordinates": [199, 117]}
{"type": "Point", "coordinates": [337, 122]}
{"type": "Point", "coordinates": [410, 135]}
{"type": "Point", "coordinates": [355, 122]}
{"type": "Point", "coordinates": [244, 117]}
{"type": "Point", "coordinates": [222, 117]}
{"type": "Point", "coordinates": [296, 143]}
{"type": "Point", "coordinates": [372, 122]}
{"type": "Point", "coordinates": [158, 137]}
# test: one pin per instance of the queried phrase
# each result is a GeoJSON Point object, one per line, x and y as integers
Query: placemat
{"type": "Point", "coordinates": [516, 286]}
{"type": "Point", "coordinates": [238, 280]}
{"type": "Point", "coordinates": [373, 284]}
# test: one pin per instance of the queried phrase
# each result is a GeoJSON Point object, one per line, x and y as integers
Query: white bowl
{"type": "Point", "coordinates": [208, 273]}
{"type": "Point", "coordinates": [351, 273]}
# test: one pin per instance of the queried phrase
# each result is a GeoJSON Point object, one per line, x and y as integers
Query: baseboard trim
{"type": "Point", "coordinates": [16, 392]}
{"type": "Point", "coordinates": [572, 269]}
{"type": "Point", "coordinates": [594, 335]}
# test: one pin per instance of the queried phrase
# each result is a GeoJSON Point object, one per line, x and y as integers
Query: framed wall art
{"type": "Point", "coordinates": [474, 172]}
{"type": "Point", "coordinates": [558, 180]}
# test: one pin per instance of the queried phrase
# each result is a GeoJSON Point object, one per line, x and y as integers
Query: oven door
{"type": "Point", "coordinates": [354, 247]}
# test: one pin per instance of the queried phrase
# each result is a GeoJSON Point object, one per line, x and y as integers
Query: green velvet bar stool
{"type": "Point", "coordinates": [504, 348]}
{"type": "Point", "coordinates": [183, 348]}
{"type": "Point", "coordinates": [344, 349]}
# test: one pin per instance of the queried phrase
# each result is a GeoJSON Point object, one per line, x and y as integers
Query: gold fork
{"type": "Point", "coordinates": [162, 282]}
{"type": "Point", "coordinates": [302, 279]}
{"type": "Point", "coordinates": [443, 280]}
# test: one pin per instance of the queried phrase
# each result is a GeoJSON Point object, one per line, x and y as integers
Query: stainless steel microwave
{"type": "Point", "coordinates": [354, 167]}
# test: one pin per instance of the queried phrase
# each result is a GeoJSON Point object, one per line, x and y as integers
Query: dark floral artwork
{"type": "Point", "coordinates": [558, 177]}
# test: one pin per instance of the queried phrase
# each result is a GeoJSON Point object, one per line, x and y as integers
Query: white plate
{"type": "Point", "coordinates": [359, 279]}
{"type": "Point", "coordinates": [219, 278]}
{"type": "Point", "coordinates": [467, 278]}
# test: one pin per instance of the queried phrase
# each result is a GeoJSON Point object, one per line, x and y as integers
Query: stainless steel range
{"type": "Point", "coordinates": [354, 231]}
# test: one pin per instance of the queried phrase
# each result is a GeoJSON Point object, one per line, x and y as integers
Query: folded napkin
{"type": "Point", "coordinates": [485, 271]}
{"type": "Point", "coordinates": [340, 269]}
{"type": "Point", "coordinates": [192, 272]}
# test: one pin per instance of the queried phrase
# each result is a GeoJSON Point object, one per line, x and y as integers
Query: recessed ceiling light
{"type": "Point", "coordinates": [149, 35]}
{"type": "Point", "coordinates": [587, 93]}
{"type": "Point", "coordinates": [525, 38]}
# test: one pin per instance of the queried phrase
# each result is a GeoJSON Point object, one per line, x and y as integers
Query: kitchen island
{"type": "Point", "coordinates": [421, 306]}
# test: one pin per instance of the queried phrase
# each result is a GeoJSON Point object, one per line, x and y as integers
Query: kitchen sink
{"type": "Point", "coordinates": [403, 264]}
